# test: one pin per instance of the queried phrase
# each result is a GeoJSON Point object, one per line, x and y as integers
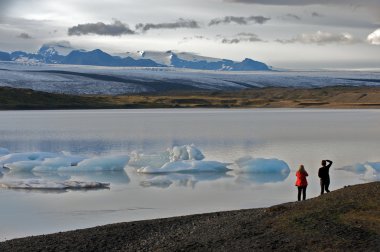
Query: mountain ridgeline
{"type": "Point", "coordinates": [49, 55]}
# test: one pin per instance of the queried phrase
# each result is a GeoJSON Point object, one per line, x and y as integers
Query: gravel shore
{"type": "Point", "coordinates": [344, 220]}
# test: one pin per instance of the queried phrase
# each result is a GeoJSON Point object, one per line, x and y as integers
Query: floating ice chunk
{"type": "Point", "coordinates": [139, 159]}
{"type": "Point", "coordinates": [4, 151]}
{"type": "Point", "coordinates": [52, 185]}
{"type": "Point", "coordinates": [26, 156]}
{"type": "Point", "coordinates": [356, 168]}
{"type": "Point", "coordinates": [187, 167]}
{"type": "Point", "coordinates": [22, 166]}
{"type": "Point", "coordinates": [375, 166]}
{"type": "Point", "coordinates": [108, 163]}
{"type": "Point", "coordinates": [261, 165]}
{"type": "Point", "coordinates": [185, 152]}
{"type": "Point", "coordinates": [156, 182]}
{"type": "Point", "coordinates": [53, 164]}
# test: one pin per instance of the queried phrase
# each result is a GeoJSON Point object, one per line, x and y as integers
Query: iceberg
{"type": "Point", "coordinates": [356, 168]}
{"type": "Point", "coordinates": [186, 166]}
{"type": "Point", "coordinates": [53, 164]}
{"type": "Point", "coordinates": [22, 166]}
{"type": "Point", "coordinates": [139, 159]}
{"type": "Point", "coordinates": [375, 166]}
{"type": "Point", "coordinates": [31, 184]}
{"type": "Point", "coordinates": [107, 163]}
{"type": "Point", "coordinates": [185, 152]}
{"type": "Point", "coordinates": [26, 156]}
{"type": "Point", "coordinates": [261, 165]}
{"type": "Point", "coordinates": [4, 151]}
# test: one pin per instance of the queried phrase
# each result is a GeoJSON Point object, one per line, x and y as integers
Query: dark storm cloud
{"type": "Point", "coordinates": [180, 23]}
{"type": "Point", "coordinates": [100, 28]}
{"type": "Point", "coordinates": [242, 37]}
{"type": "Point", "coordinates": [24, 36]}
{"type": "Point", "coordinates": [239, 20]}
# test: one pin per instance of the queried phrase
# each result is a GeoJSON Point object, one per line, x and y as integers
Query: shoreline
{"type": "Point", "coordinates": [335, 97]}
{"type": "Point", "coordinates": [344, 220]}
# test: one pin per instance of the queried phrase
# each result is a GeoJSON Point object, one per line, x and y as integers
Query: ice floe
{"type": "Point", "coordinates": [39, 184]}
{"type": "Point", "coordinates": [186, 166]}
{"type": "Point", "coordinates": [248, 164]}
{"type": "Point", "coordinates": [106, 163]}
{"type": "Point", "coordinates": [375, 166]}
{"type": "Point", "coordinates": [140, 159]}
{"type": "Point", "coordinates": [185, 152]}
{"type": "Point", "coordinates": [26, 156]}
{"type": "Point", "coordinates": [4, 151]}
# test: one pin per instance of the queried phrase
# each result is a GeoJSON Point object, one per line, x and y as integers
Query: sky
{"type": "Point", "coordinates": [300, 34]}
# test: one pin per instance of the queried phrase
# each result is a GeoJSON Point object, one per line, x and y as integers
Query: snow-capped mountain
{"type": "Point", "coordinates": [51, 54]}
{"type": "Point", "coordinates": [194, 61]}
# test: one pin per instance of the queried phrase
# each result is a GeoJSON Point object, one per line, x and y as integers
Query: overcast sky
{"type": "Point", "coordinates": [282, 33]}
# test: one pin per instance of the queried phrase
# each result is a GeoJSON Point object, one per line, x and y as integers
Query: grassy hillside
{"type": "Point", "coordinates": [330, 97]}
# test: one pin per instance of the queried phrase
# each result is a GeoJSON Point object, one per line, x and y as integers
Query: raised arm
{"type": "Point", "coordinates": [329, 163]}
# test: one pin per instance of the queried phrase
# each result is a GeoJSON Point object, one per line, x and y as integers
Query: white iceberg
{"type": "Point", "coordinates": [261, 165]}
{"type": "Point", "coordinates": [26, 156]}
{"type": "Point", "coordinates": [375, 166]}
{"type": "Point", "coordinates": [187, 167]}
{"type": "Point", "coordinates": [53, 164]}
{"type": "Point", "coordinates": [185, 152]}
{"type": "Point", "coordinates": [107, 163]}
{"type": "Point", "coordinates": [51, 185]}
{"type": "Point", "coordinates": [139, 159]}
{"type": "Point", "coordinates": [22, 166]}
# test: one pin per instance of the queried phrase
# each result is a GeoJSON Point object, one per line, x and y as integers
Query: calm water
{"type": "Point", "coordinates": [296, 136]}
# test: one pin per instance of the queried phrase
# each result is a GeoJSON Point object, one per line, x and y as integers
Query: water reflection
{"type": "Point", "coordinates": [261, 178]}
{"type": "Point", "coordinates": [180, 179]}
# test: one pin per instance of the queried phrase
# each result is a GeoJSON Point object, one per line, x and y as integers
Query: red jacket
{"type": "Point", "coordinates": [301, 178]}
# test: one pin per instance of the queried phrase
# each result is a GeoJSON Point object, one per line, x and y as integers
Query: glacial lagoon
{"type": "Point", "coordinates": [274, 139]}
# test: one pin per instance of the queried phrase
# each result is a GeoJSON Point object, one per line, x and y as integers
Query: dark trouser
{"type": "Point", "coordinates": [325, 185]}
{"type": "Point", "coordinates": [301, 189]}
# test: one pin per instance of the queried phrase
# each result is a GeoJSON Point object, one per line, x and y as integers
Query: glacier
{"type": "Point", "coordinates": [98, 80]}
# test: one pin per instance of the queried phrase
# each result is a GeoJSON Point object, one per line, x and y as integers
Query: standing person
{"type": "Point", "coordinates": [301, 182]}
{"type": "Point", "coordinates": [323, 174]}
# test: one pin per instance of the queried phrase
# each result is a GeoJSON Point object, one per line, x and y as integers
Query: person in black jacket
{"type": "Point", "coordinates": [323, 174]}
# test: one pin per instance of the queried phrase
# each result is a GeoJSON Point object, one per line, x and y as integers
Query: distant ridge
{"type": "Point", "coordinates": [49, 54]}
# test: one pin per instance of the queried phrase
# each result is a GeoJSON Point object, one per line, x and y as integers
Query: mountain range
{"type": "Point", "coordinates": [49, 54]}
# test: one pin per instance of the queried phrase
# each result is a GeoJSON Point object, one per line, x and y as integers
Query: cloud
{"type": "Point", "coordinates": [239, 20]}
{"type": "Point", "coordinates": [293, 16]}
{"type": "Point", "coordinates": [321, 38]}
{"type": "Point", "coordinates": [316, 14]}
{"type": "Point", "coordinates": [241, 37]}
{"type": "Point", "coordinates": [24, 35]}
{"type": "Point", "coordinates": [306, 2]}
{"type": "Point", "coordinates": [374, 37]}
{"type": "Point", "coordinates": [115, 29]}
{"type": "Point", "coordinates": [180, 23]}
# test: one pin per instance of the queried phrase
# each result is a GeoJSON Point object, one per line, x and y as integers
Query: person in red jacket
{"type": "Point", "coordinates": [301, 182]}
